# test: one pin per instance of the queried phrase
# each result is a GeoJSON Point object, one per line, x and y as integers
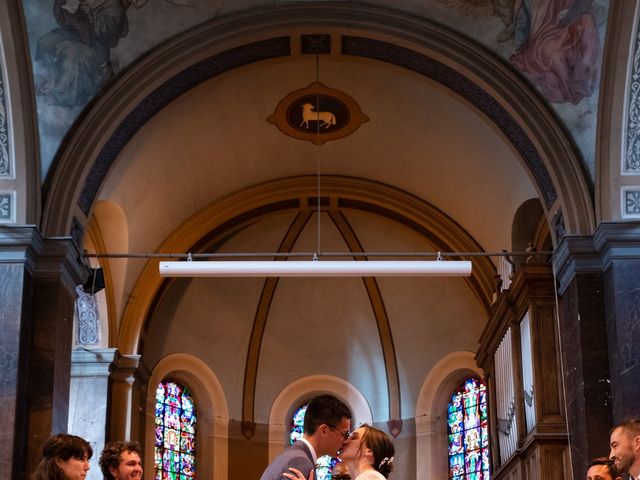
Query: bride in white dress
{"type": "Point", "coordinates": [368, 453]}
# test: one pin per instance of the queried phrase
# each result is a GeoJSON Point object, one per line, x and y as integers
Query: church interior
{"type": "Point", "coordinates": [500, 132]}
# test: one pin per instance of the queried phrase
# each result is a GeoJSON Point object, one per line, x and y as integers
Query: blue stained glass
{"type": "Point", "coordinates": [187, 402]}
{"type": "Point", "coordinates": [159, 436]}
{"type": "Point", "coordinates": [468, 432]}
{"type": "Point", "coordinates": [471, 417]}
{"type": "Point", "coordinates": [187, 465]}
{"type": "Point", "coordinates": [187, 442]}
{"type": "Point", "coordinates": [472, 439]}
{"type": "Point", "coordinates": [171, 439]}
{"type": "Point", "coordinates": [456, 400]}
{"type": "Point", "coordinates": [455, 421]}
{"type": "Point", "coordinates": [166, 475]}
{"type": "Point", "coordinates": [456, 465]}
{"type": "Point", "coordinates": [170, 461]}
{"type": "Point", "coordinates": [175, 439]}
{"type": "Point", "coordinates": [455, 444]}
{"type": "Point", "coordinates": [484, 437]}
{"type": "Point", "coordinates": [324, 464]}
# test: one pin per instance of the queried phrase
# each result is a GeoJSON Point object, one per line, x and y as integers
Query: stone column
{"type": "Point", "coordinates": [123, 372]}
{"type": "Point", "coordinates": [13, 343]}
{"type": "Point", "coordinates": [620, 244]}
{"type": "Point", "coordinates": [599, 280]}
{"type": "Point", "coordinates": [37, 290]}
{"type": "Point", "coordinates": [88, 399]}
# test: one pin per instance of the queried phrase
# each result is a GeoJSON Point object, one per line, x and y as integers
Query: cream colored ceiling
{"type": "Point", "coordinates": [215, 141]}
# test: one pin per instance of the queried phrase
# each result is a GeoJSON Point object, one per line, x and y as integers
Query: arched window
{"type": "Point", "coordinates": [174, 453]}
{"type": "Point", "coordinates": [325, 463]}
{"type": "Point", "coordinates": [468, 432]}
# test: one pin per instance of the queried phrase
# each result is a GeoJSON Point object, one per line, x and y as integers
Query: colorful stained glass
{"type": "Point", "coordinates": [324, 464]}
{"type": "Point", "coordinates": [468, 432]}
{"type": "Point", "coordinates": [175, 434]}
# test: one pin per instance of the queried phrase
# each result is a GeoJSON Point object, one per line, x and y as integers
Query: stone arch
{"type": "Point", "coordinates": [380, 198]}
{"type": "Point", "coordinates": [211, 408]}
{"type": "Point", "coordinates": [529, 229]}
{"type": "Point", "coordinates": [431, 411]}
{"type": "Point", "coordinates": [115, 238]}
{"type": "Point", "coordinates": [478, 76]}
{"type": "Point", "coordinates": [303, 389]}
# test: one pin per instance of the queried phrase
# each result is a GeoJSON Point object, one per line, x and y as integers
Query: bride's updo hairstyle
{"type": "Point", "coordinates": [380, 444]}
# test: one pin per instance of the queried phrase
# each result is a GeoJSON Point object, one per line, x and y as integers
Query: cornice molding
{"type": "Point", "coordinates": [594, 253]}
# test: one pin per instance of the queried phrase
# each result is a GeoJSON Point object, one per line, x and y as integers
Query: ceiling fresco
{"type": "Point", "coordinates": [79, 46]}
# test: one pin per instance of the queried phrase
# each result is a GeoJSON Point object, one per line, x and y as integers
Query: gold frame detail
{"type": "Point", "coordinates": [326, 132]}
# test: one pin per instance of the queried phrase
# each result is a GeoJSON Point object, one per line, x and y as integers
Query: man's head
{"type": "Point", "coordinates": [327, 424]}
{"type": "Point", "coordinates": [625, 447]}
{"type": "Point", "coordinates": [602, 468]}
{"type": "Point", "coordinates": [121, 461]}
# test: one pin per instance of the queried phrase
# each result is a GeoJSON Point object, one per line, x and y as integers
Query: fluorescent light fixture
{"type": "Point", "coordinates": [317, 268]}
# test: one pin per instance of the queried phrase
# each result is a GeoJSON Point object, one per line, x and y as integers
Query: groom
{"type": "Point", "coordinates": [327, 424]}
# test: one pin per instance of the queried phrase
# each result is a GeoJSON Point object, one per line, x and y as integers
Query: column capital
{"type": "Point", "coordinates": [42, 257]}
{"type": "Point", "coordinates": [91, 362]}
{"type": "Point", "coordinates": [594, 253]}
{"type": "Point", "coordinates": [124, 367]}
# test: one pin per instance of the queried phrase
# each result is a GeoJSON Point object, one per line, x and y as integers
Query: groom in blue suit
{"type": "Point", "coordinates": [327, 425]}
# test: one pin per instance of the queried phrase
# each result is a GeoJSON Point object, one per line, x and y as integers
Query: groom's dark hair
{"type": "Point", "coordinates": [325, 409]}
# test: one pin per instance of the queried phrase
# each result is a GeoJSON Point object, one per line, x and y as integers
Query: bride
{"type": "Point", "coordinates": [368, 453]}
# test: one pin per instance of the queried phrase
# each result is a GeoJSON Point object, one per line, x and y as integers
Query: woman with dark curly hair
{"type": "Point", "coordinates": [368, 453]}
{"type": "Point", "coordinates": [64, 457]}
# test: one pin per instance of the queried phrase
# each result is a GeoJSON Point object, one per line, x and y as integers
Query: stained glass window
{"type": "Point", "coordinates": [325, 463]}
{"type": "Point", "coordinates": [175, 444]}
{"type": "Point", "coordinates": [468, 432]}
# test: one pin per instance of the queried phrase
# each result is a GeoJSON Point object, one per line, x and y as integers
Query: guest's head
{"type": "Point", "coordinates": [603, 468]}
{"type": "Point", "coordinates": [64, 457]}
{"type": "Point", "coordinates": [369, 446]}
{"type": "Point", "coordinates": [327, 422]}
{"type": "Point", "coordinates": [121, 461]}
{"type": "Point", "coordinates": [625, 447]}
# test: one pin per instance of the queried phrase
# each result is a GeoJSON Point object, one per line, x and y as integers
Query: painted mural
{"type": "Point", "coordinates": [556, 44]}
{"type": "Point", "coordinates": [78, 46]}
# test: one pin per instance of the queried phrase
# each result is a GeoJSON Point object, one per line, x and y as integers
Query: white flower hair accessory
{"type": "Point", "coordinates": [385, 461]}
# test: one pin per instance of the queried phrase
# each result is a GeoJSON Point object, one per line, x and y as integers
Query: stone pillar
{"type": "Point", "coordinates": [599, 277]}
{"type": "Point", "coordinates": [37, 290]}
{"type": "Point", "coordinates": [123, 373]}
{"type": "Point", "coordinates": [620, 244]}
{"type": "Point", "coordinates": [13, 343]}
{"type": "Point", "coordinates": [88, 399]}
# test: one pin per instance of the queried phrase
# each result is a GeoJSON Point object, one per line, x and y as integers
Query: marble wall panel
{"type": "Point", "coordinates": [586, 369]}
{"type": "Point", "coordinates": [622, 287]}
{"type": "Point", "coordinates": [11, 285]}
